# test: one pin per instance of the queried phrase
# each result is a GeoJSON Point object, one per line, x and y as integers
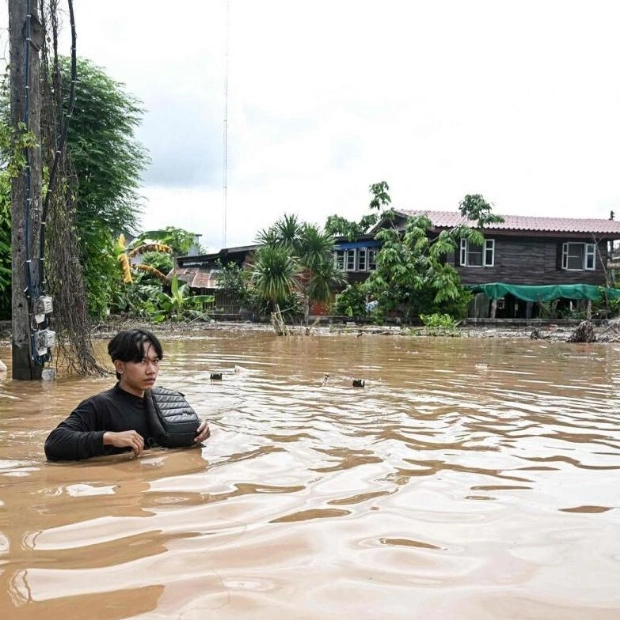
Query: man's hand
{"type": "Point", "coordinates": [203, 432]}
{"type": "Point", "coordinates": [126, 439]}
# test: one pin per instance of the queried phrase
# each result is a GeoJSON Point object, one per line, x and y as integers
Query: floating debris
{"type": "Point", "coordinates": [583, 333]}
{"type": "Point", "coordinates": [48, 374]}
{"type": "Point", "coordinates": [359, 383]}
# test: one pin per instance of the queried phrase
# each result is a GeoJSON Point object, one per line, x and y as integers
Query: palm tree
{"type": "Point", "coordinates": [274, 273]}
{"type": "Point", "coordinates": [310, 269]}
{"type": "Point", "coordinates": [320, 276]}
{"type": "Point", "coordinates": [284, 233]}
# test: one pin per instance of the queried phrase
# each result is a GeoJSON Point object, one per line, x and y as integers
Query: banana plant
{"type": "Point", "coordinates": [125, 252]}
{"type": "Point", "coordinates": [181, 304]}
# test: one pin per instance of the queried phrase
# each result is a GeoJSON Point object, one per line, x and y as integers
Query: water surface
{"type": "Point", "coordinates": [468, 478]}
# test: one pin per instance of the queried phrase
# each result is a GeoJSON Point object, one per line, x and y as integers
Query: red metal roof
{"type": "Point", "coordinates": [449, 219]}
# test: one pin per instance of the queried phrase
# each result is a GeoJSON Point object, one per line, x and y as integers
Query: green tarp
{"type": "Point", "coordinates": [498, 290]}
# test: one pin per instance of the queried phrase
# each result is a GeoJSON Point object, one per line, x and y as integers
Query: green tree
{"type": "Point", "coordinates": [476, 209]}
{"type": "Point", "coordinates": [337, 225]}
{"type": "Point", "coordinates": [233, 280]}
{"type": "Point", "coordinates": [413, 275]}
{"type": "Point", "coordinates": [285, 233]}
{"type": "Point", "coordinates": [108, 162]}
{"type": "Point", "coordinates": [180, 240]}
{"type": "Point", "coordinates": [319, 278]}
{"type": "Point", "coordinates": [352, 301]}
{"type": "Point", "coordinates": [296, 257]}
{"type": "Point", "coordinates": [274, 274]}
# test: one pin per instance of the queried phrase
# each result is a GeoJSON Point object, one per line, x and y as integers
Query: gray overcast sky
{"type": "Point", "coordinates": [517, 101]}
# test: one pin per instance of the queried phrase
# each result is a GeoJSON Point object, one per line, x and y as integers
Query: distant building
{"type": "Point", "coordinates": [523, 262]}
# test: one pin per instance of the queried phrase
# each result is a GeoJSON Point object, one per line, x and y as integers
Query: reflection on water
{"type": "Point", "coordinates": [467, 479]}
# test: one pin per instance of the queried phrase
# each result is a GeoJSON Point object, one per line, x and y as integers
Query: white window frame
{"type": "Point", "coordinates": [362, 259]}
{"type": "Point", "coordinates": [588, 256]}
{"type": "Point", "coordinates": [349, 259]}
{"type": "Point", "coordinates": [372, 259]}
{"type": "Point", "coordinates": [487, 252]}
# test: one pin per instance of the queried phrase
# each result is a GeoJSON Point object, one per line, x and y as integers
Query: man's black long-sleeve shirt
{"type": "Point", "coordinates": [80, 436]}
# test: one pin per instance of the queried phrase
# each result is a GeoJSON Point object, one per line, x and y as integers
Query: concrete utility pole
{"type": "Point", "coordinates": [26, 38]}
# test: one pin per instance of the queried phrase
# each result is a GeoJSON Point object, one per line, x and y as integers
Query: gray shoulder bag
{"type": "Point", "coordinates": [173, 421]}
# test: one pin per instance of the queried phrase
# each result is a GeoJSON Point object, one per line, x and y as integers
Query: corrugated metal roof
{"type": "Point", "coordinates": [196, 277]}
{"type": "Point", "coordinates": [449, 219]}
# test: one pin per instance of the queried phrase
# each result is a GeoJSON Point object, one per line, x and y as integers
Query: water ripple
{"type": "Point", "coordinates": [462, 471]}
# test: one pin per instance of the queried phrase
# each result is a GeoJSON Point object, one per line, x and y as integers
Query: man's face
{"type": "Point", "coordinates": [136, 377]}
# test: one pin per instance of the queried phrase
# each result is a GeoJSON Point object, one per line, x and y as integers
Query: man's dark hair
{"type": "Point", "coordinates": [128, 346]}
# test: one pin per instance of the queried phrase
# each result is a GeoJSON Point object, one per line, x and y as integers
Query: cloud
{"type": "Point", "coordinates": [184, 141]}
{"type": "Point", "coordinates": [439, 99]}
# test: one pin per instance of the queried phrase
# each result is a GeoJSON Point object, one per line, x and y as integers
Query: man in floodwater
{"type": "Point", "coordinates": [115, 421]}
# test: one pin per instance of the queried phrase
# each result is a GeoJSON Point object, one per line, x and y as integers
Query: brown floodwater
{"type": "Point", "coordinates": [468, 479]}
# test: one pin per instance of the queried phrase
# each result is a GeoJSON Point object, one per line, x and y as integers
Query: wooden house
{"type": "Point", "coordinates": [536, 259]}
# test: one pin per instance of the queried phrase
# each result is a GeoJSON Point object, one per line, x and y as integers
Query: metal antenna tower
{"type": "Point", "coordinates": [225, 141]}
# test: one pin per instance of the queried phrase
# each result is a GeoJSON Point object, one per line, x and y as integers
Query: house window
{"type": "Point", "coordinates": [345, 260]}
{"type": "Point", "coordinates": [473, 255]}
{"type": "Point", "coordinates": [489, 252]}
{"type": "Point", "coordinates": [372, 259]}
{"type": "Point", "coordinates": [339, 260]}
{"type": "Point", "coordinates": [578, 256]}
{"type": "Point", "coordinates": [349, 260]}
{"type": "Point", "coordinates": [362, 254]}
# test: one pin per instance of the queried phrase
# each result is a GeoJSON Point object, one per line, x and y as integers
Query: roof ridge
{"type": "Point", "coordinates": [528, 224]}
{"type": "Point", "coordinates": [534, 217]}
